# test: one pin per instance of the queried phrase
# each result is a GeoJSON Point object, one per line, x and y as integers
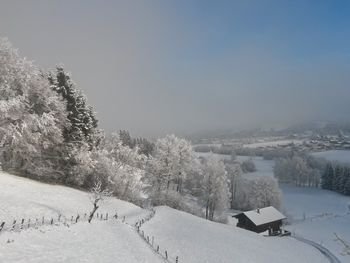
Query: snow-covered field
{"type": "Point", "coordinates": [325, 212]}
{"type": "Point", "coordinates": [272, 143]}
{"type": "Point", "coordinates": [342, 156]}
{"type": "Point", "coordinates": [199, 240]}
{"type": "Point", "coordinates": [317, 214]}
{"type": "Point", "coordinates": [191, 238]}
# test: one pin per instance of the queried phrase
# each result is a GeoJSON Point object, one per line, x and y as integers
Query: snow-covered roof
{"type": "Point", "coordinates": [264, 215]}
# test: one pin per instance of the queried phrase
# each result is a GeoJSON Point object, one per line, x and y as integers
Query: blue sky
{"type": "Point", "coordinates": [155, 67]}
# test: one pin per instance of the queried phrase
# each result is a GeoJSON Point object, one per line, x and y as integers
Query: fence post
{"type": "Point", "coordinates": [147, 239]}
{"type": "Point", "coordinates": [106, 216]}
{"type": "Point", "coordinates": [22, 222]}
{"type": "Point", "coordinates": [36, 222]}
{"type": "Point", "coordinates": [51, 221]}
{"type": "Point", "coordinates": [158, 249]}
{"type": "Point", "coordinates": [152, 240]}
{"type": "Point", "coordinates": [166, 254]}
{"type": "Point", "coordinates": [101, 216]}
{"type": "Point", "coordinates": [2, 226]}
{"type": "Point", "coordinates": [28, 222]}
{"type": "Point", "coordinates": [13, 224]}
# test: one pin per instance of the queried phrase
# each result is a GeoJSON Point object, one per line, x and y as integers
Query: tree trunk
{"type": "Point", "coordinates": [93, 212]}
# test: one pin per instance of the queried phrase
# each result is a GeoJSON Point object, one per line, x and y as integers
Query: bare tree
{"type": "Point", "coordinates": [98, 195]}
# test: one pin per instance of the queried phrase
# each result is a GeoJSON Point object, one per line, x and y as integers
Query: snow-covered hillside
{"type": "Point", "coordinates": [199, 240]}
{"type": "Point", "coordinates": [191, 238]}
{"type": "Point", "coordinates": [24, 198]}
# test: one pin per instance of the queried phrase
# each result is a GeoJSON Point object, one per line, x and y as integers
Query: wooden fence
{"type": "Point", "coordinates": [35, 223]}
{"type": "Point", "coordinates": [27, 223]}
{"type": "Point", "coordinates": [164, 253]}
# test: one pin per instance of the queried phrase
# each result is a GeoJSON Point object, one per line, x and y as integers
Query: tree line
{"type": "Point", "coordinates": [49, 132]}
{"type": "Point", "coordinates": [336, 177]}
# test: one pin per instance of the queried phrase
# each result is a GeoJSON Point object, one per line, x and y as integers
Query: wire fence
{"type": "Point", "coordinates": [35, 223]}
{"type": "Point", "coordinates": [161, 251]}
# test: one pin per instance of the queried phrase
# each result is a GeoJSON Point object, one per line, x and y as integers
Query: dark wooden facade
{"type": "Point", "coordinates": [246, 223]}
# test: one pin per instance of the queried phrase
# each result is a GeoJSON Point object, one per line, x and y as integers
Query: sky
{"type": "Point", "coordinates": [159, 66]}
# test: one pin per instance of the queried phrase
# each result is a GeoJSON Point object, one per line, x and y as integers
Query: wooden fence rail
{"type": "Point", "coordinates": [151, 241]}
{"type": "Point", "coordinates": [23, 224]}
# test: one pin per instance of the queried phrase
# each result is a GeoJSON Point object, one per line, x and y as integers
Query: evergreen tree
{"type": "Point", "coordinates": [82, 120]}
{"type": "Point", "coordinates": [327, 177]}
{"type": "Point", "coordinates": [126, 139]}
{"type": "Point", "coordinates": [338, 178]}
{"type": "Point", "coordinates": [347, 184]}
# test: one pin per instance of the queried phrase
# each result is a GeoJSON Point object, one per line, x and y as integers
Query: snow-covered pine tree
{"type": "Point", "coordinates": [82, 120]}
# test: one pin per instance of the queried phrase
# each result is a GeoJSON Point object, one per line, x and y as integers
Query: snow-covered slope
{"type": "Point", "coordinates": [101, 241]}
{"type": "Point", "coordinates": [191, 238]}
{"type": "Point", "coordinates": [198, 240]}
{"type": "Point", "coordinates": [24, 198]}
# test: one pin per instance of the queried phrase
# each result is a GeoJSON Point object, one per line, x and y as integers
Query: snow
{"type": "Point", "coordinates": [272, 143]}
{"type": "Point", "coordinates": [317, 214]}
{"type": "Point", "coordinates": [24, 198]}
{"type": "Point", "coordinates": [264, 215]}
{"type": "Point", "coordinates": [191, 238]}
{"type": "Point", "coordinates": [195, 240]}
{"type": "Point", "coordinates": [342, 156]}
{"type": "Point", "coordinates": [217, 155]}
{"type": "Point", "coordinates": [325, 212]}
{"type": "Point", "coordinates": [100, 241]}
{"type": "Point", "coordinates": [106, 242]}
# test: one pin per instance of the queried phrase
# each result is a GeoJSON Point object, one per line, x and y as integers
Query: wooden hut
{"type": "Point", "coordinates": [261, 220]}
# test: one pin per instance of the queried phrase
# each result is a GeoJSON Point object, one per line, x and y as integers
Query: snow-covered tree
{"type": "Point", "coordinates": [31, 117]}
{"type": "Point", "coordinates": [234, 172]}
{"type": "Point", "coordinates": [215, 191]}
{"type": "Point", "coordinates": [248, 166]}
{"type": "Point", "coordinates": [98, 194]}
{"type": "Point", "coordinates": [170, 165]}
{"type": "Point", "coordinates": [82, 120]}
{"type": "Point", "coordinates": [264, 192]}
{"type": "Point", "coordinates": [300, 170]}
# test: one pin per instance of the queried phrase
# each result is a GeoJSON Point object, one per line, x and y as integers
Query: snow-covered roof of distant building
{"type": "Point", "coordinates": [264, 215]}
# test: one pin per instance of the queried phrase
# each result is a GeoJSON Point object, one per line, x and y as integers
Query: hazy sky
{"type": "Point", "coordinates": [154, 67]}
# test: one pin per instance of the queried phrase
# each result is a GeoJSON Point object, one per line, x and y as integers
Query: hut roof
{"type": "Point", "coordinates": [264, 215]}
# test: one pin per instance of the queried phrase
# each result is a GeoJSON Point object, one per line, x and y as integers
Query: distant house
{"type": "Point", "coordinates": [261, 219]}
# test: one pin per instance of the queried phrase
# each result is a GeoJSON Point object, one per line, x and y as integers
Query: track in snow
{"type": "Point", "coordinates": [329, 255]}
